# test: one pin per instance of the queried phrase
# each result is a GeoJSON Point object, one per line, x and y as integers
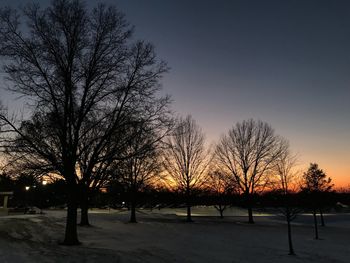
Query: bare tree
{"type": "Point", "coordinates": [142, 167]}
{"type": "Point", "coordinates": [315, 182]}
{"type": "Point", "coordinates": [287, 179]}
{"type": "Point", "coordinates": [222, 186]}
{"type": "Point", "coordinates": [98, 160]}
{"type": "Point", "coordinates": [185, 159]}
{"type": "Point", "coordinates": [80, 71]}
{"type": "Point", "coordinates": [248, 152]}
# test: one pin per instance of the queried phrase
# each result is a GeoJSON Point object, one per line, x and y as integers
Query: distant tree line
{"type": "Point", "coordinates": [115, 195]}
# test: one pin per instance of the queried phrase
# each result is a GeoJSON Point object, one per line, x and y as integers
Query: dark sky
{"type": "Point", "coordinates": [284, 62]}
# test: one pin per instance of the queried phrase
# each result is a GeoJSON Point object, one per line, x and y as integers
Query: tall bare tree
{"type": "Point", "coordinates": [80, 71]}
{"type": "Point", "coordinates": [248, 152]}
{"type": "Point", "coordinates": [287, 178]}
{"type": "Point", "coordinates": [98, 160]}
{"type": "Point", "coordinates": [185, 159]}
{"type": "Point", "coordinates": [142, 167]}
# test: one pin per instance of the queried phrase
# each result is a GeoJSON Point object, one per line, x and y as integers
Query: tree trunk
{"type": "Point", "coordinates": [189, 217]}
{"type": "Point", "coordinates": [133, 213]}
{"type": "Point", "coordinates": [250, 209]}
{"type": "Point", "coordinates": [133, 207]}
{"type": "Point", "coordinates": [315, 223]}
{"type": "Point", "coordinates": [84, 217]}
{"type": "Point", "coordinates": [84, 205]}
{"type": "Point", "coordinates": [188, 204]}
{"type": "Point", "coordinates": [71, 234]}
{"type": "Point", "coordinates": [221, 211]}
{"type": "Point", "coordinates": [322, 219]}
{"type": "Point", "coordinates": [290, 243]}
{"type": "Point", "coordinates": [250, 215]}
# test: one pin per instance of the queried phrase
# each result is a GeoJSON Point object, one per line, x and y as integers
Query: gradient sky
{"type": "Point", "coordinates": [284, 62]}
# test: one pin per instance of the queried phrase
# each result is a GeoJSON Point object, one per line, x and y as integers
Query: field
{"type": "Point", "coordinates": [164, 236]}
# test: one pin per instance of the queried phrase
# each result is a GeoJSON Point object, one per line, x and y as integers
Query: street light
{"type": "Point", "coordinates": [25, 200]}
{"type": "Point", "coordinates": [43, 183]}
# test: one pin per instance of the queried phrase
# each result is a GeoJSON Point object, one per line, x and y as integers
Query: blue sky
{"type": "Point", "coordinates": [284, 62]}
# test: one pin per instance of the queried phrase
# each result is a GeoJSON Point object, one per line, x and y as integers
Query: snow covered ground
{"type": "Point", "coordinates": [164, 236]}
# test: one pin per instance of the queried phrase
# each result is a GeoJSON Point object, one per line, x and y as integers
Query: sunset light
{"type": "Point", "coordinates": [174, 131]}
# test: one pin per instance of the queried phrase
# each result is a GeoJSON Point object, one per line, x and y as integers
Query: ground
{"type": "Point", "coordinates": [164, 236]}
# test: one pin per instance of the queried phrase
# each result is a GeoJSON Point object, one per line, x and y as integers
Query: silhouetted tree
{"type": "Point", "coordinates": [26, 189]}
{"type": "Point", "coordinates": [97, 162]}
{"type": "Point", "coordinates": [80, 71]}
{"type": "Point", "coordinates": [220, 185]}
{"type": "Point", "coordinates": [142, 165]}
{"type": "Point", "coordinates": [286, 177]}
{"type": "Point", "coordinates": [315, 183]}
{"type": "Point", "coordinates": [185, 159]}
{"type": "Point", "coordinates": [248, 153]}
{"type": "Point", "coordinates": [7, 183]}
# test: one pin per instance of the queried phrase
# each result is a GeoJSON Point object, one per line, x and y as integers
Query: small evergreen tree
{"type": "Point", "coordinates": [315, 183]}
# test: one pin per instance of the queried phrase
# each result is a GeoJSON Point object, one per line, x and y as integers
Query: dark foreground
{"type": "Point", "coordinates": [163, 236]}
